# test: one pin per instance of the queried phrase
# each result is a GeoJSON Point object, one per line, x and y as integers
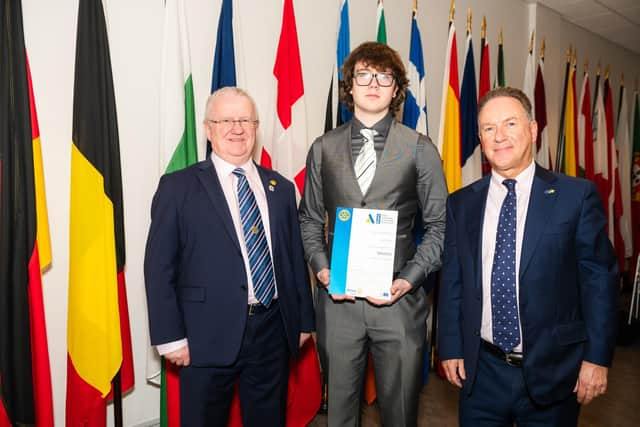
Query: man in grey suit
{"type": "Point", "coordinates": [401, 171]}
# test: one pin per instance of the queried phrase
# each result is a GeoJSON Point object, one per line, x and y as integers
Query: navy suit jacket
{"type": "Point", "coordinates": [195, 275]}
{"type": "Point", "coordinates": [567, 283]}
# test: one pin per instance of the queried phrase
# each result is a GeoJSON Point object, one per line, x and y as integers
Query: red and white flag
{"type": "Point", "coordinates": [585, 132]}
{"type": "Point", "coordinates": [286, 151]}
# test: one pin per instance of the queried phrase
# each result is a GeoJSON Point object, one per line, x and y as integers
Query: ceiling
{"type": "Point", "coordinates": [615, 20]}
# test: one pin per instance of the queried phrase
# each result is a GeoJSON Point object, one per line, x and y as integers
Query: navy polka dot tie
{"type": "Point", "coordinates": [256, 241]}
{"type": "Point", "coordinates": [504, 304]}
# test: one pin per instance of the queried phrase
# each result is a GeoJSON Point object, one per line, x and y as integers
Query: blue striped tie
{"type": "Point", "coordinates": [256, 241]}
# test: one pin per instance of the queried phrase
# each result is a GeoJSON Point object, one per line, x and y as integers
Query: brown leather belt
{"type": "Point", "coordinates": [257, 308]}
{"type": "Point", "coordinates": [512, 359]}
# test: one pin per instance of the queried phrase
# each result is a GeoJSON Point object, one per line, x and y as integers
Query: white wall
{"type": "Point", "coordinates": [135, 35]}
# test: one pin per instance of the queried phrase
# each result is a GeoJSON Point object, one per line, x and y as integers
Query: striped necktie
{"type": "Point", "coordinates": [365, 166]}
{"type": "Point", "coordinates": [256, 241]}
{"type": "Point", "coordinates": [504, 304]}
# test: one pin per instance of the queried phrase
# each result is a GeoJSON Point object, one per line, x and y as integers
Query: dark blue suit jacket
{"type": "Point", "coordinates": [194, 272]}
{"type": "Point", "coordinates": [568, 293]}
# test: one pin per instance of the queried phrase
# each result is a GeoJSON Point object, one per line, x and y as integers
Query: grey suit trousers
{"type": "Point", "coordinates": [396, 337]}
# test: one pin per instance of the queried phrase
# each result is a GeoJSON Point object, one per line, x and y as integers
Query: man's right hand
{"type": "Point", "coordinates": [323, 279]}
{"type": "Point", "coordinates": [454, 369]}
{"type": "Point", "coordinates": [179, 357]}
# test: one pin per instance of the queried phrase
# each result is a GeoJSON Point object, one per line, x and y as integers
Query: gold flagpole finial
{"type": "Point", "coordinates": [452, 11]}
{"type": "Point", "coordinates": [575, 57]}
{"type": "Point", "coordinates": [415, 6]}
{"type": "Point", "coordinates": [606, 72]}
{"type": "Point", "coordinates": [598, 68]}
{"type": "Point", "coordinates": [469, 20]}
{"type": "Point", "coordinates": [569, 55]}
{"type": "Point", "coordinates": [542, 49]}
{"type": "Point", "coordinates": [484, 27]}
{"type": "Point", "coordinates": [500, 36]}
{"type": "Point", "coordinates": [531, 42]}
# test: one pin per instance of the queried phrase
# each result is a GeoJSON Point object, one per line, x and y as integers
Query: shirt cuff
{"type": "Point", "coordinates": [171, 346]}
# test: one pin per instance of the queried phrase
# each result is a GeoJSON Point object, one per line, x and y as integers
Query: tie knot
{"type": "Point", "coordinates": [510, 184]}
{"type": "Point", "coordinates": [368, 134]}
{"type": "Point", "coordinates": [239, 172]}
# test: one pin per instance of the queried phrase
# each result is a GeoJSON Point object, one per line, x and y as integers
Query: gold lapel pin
{"type": "Point", "coordinates": [550, 191]}
{"type": "Point", "coordinates": [272, 185]}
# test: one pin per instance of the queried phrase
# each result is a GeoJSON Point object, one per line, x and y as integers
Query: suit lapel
{"type": "Point", "coordinates": [476, 206]}
{"type": "Point", "coordinates": [541, 202]}
{"type": "Point", "coordinates": [270, 187]}
{"type": "Point", "coordinates": [209, 179]}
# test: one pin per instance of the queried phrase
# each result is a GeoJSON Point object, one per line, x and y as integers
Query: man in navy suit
{"type": "Point", "coordinates": [228, 292]}
{"type": "Point", "coordinates": [528, 303]}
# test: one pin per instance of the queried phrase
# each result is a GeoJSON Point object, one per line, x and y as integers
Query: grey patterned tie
{"type": "Point", "coordinates": [365, 166]}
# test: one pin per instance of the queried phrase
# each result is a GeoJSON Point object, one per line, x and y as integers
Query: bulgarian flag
{"type": "Point", "coordinates": [99, 341]}
{"type": "Point", "coordinates": [25, 379]}
{"type": "Point", "coordinates": [449, 136]}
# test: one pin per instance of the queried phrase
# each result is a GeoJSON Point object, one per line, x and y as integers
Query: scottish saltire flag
{"type": "Point", "coordinates": [224, 63]}
{"type": "Point", "coordinates": [469, 140]}
{"type": "Point", "coordinates": [415, 104]}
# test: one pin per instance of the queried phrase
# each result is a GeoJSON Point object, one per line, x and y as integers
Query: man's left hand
{"type": "Point", "coordinates": [304, 336]}
{"type": "Point", "coordinates": [592, 382]}
{"type": "Point", "coordinates": [399, 287]}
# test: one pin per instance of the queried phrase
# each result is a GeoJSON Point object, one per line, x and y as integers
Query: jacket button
{"type": "Point", "coordinates": [477, 333]}
{"type": "Point", "coordinates": [363, 203]}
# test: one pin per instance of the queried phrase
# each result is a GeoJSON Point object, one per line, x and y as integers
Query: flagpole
{"type": "Point", "coordinates": [116, 385]}
{"type": "Point", "coordinates": [560, 149]}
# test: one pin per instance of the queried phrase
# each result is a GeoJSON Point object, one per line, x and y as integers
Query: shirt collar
{"type": "Point", "coordinates": [225, 168]}
{"type": "Point", "coordinates": [524, 178]}
{"type": "Point", "coordinates": [382, 126]}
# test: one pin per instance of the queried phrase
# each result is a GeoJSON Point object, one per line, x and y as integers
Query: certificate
{"type": "Point", "coordinates": [364, 243]}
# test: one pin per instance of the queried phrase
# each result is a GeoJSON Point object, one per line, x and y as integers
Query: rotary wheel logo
{"type": "Point", "coordinates": [344, 215]}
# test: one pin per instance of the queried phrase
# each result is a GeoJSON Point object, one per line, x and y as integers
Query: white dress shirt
{"type": "Point", "coordinates": [229, 183]}
{"type": "Point", "coordinates": [495, 197]}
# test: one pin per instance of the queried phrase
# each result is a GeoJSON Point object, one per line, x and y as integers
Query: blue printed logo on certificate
{"type": "Point", "coordinates": [364, 242]}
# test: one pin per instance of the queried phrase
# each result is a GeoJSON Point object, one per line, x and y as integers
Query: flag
{"type": "Point", "coordinates": [623, 146]}
{"type": "Point", "coordinates": [614, 200]}
{"type": "Point", "coordinates": [286, 152]}
{"type": "Point", "coordinates": [449, 129]}
{"type": "Point", "coordinates": [224, 63]}
{"type": "Point", "coordinates": [470, 142]}
{"type": "Point", "coordinates": [99, 340]}
{"type": "Point", "coordinates": [343, 47]}
{"type": "Point", "coordinates": [500, 76]}
{"type": "Point", "coordinates": [565, 155]}
{"type": "Point", "coordinates": [178, 149]}
{"type": "Point", "coordinates": [635, 175]}
{"type": "Point", "coordinates": [415, 104]}
{"type": "Point", "coordinates": [381, 26]}
{"type": "Point", "coordinates": [529, 76]}
{"type": "Point", "coordinates": [25, 380]}
{"type": "Point", "coordinates": [600, 147]}
{"type": "Point", "coordinates": [585, 132]}
{"type": "Point", "coordinates": [543, 156]}
{"type": "Point", "coordinates": [484, 81]}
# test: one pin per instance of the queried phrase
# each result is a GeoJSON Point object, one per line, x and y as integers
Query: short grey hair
{"type": "Point", "coordinates": [230, 90]}
{"type": "Point", "coordinates": [508, 92]}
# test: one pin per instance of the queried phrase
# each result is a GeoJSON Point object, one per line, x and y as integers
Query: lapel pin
{"type": "Point", "coordinates": [550, 191]}
{"type": "Point", "coordinates": [272, 185]}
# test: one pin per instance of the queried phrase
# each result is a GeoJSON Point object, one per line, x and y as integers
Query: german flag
{"type": "Point", "coordinates": [99, 340]}
{"type": "Point", "coordinates": [25, 380]}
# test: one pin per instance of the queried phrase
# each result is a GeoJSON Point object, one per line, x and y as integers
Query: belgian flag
{"type": "Point", "coordinates": [99, 340]}
{"type": "Point", "coordinates": [25, 380]}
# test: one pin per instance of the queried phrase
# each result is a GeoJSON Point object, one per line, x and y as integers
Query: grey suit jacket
{"type": "Point", "coordinates": [408, 178]}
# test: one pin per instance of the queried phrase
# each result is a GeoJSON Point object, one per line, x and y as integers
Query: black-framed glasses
{"type": "Point", "coordinates": [228, 124]}
{"type": "Point", "coordinates": [364, 78]}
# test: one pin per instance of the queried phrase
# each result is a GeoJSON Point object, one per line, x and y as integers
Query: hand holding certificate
{"type": "Point", "coordinates": [363, 251]}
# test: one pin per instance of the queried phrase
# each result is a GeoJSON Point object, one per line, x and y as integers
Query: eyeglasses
{"type": "Point", "coordinates": [364, 78]}
{"type": "Point", "coordinates": [228, 124]}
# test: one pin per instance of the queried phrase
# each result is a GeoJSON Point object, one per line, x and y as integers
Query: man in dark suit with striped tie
{"type": "Point", "coordinates": [227, 287]}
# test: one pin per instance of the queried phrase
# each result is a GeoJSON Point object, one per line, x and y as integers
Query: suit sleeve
{"type": "Point", "coordinates": [450, 298]}
{"type": "Point", "coordinates": [432, 195]}
{"type": "Point", "coordinates": [301, 274]}
{"type": "Point", "coordinates": [161, 267]}
{"type": "Point", "coordinates": [598, 270]}
{"type": "Point", "coordinates": [312, 211]}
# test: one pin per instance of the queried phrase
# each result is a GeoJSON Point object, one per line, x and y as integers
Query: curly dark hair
{"type": "Point", "coordinates": [381, 57]}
